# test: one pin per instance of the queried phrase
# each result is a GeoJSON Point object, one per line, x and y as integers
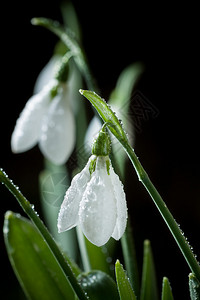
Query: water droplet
{"type": "Point", "coordinates": [104, 249]}
{"type": "Point", "coordinates": [109, 259]}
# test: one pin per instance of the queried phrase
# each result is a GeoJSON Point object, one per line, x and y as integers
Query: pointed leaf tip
{"type": "Point", "coordinates": [124, 287]}
{"type": "Point", "coordinates": [166, 290]}
{"type": "Point", "coordinates": [149, 288]}
{"type": "Point", "coordinates": [8, 215]}
{"type": "Point", "coordinates": [194, 287]}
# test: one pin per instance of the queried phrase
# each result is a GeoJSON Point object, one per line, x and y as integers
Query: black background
{"type": "Point", "coordinates": [165, 38]}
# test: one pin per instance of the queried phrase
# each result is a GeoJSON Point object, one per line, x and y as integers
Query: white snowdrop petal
{"type": "Point", "coordinates": [47, 73]}
{"type": "Point", "coordinates": [120, 199]}
{"type": "Point", "coordinates": [58, 131]}
{"type": "Point", "coordinates": [68, 215]}
{"type": "Point", "coordinates": [98, 208]}
{"type": "Point", "coordinates": [27, 128]}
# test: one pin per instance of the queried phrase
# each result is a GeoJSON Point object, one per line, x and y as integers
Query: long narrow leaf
{"type": "Point", "coordinates": [124, 287]}
{"type": "Point", "coordinates": [149, 289]}
{"type": "Point", "coordinates": [34, 264]}
{"type": "Point", "coordinates": [129, 254]}
{"type": "Point", "coordinates": [29, 210]}
{"type": "Point", "coordinates": [121, 100]}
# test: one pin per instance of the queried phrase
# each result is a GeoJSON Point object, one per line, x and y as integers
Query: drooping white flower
{"type": "Point", "coordinates": [48, 122]}
{"type": "Point", "coordinates": [96, 201]}
{"type": "Point", "coordinates": [47, 73]}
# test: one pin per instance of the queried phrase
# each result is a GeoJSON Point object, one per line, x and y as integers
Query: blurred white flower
{"type": "Point", "coordinates": [47, 73]}
{"type": "Point", "coordinates": [92, 131]}
{"type": "Point", "coordinates": [96, 201]}
{"type": "Point", "coordinates": [48, 122]}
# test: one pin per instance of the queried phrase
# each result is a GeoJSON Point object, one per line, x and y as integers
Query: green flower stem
{"type": "Point", "coordinates": [29, 210]}
{"type": "Point", "coordinates": [83, 250]}
{"type": "Point", "coordinates": [164, 211]}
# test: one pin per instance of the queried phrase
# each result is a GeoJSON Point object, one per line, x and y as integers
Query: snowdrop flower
{"type": "Point", "coordinates": [48, 122]}
{"type": "Point", "coordinates": [47, 73]}
{"type": "Point", "coordinates": [96, 200]}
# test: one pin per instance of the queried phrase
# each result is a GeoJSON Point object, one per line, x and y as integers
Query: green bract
{"type": "Point", "coordinates": [106, 114]}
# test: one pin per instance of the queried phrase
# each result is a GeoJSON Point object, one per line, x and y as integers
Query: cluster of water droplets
{"type": "Point", "coordinates": [188, 243]}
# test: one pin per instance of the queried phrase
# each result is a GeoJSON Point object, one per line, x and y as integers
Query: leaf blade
{"type": "Point", "coordinates": [130, 259]}
{"type": "Point", "coordinates": [166, 290]}
{"type": "Point", "coordinates": [35, 266]}
{"type": "Point", "coordinates": [124, 287]}
{"type": "Point", "coordinates": [121, 99]}
{"type": "Point", "coordinates": [29, 210]}
{"type": "Point", "coordinates": [149, 290]}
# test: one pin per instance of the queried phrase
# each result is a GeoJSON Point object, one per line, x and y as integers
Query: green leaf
{"type": "Point", "coordinates": [29, 210]}
{"type": "Point", "coordinates": [130, 260]}
{"type": "Point", "coordinates": [194, 286]}
{"type": "Point", "coordinates": [149, 290]}
{"type": "Point", "coordinates": [166, 290]}
{"type": "Point", "coordinates": [70, 18]}
{"type": "Point", "coordinates": [125, 85]}
{"type": "Point", "coordinates": [120, 99]}
{"type": "Point", "coordinates": [98, 285]}
{"type": "Point", "coordinates": [34, 264]}
{"type": "Point", "coordinates": [106, 114]}
{"type": "Point", "coordinates": [124, 286]}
